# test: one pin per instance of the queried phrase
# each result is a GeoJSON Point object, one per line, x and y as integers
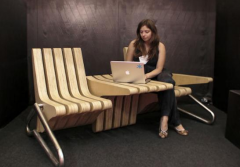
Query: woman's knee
{"type": "Point", "coordinates": [166, 77]}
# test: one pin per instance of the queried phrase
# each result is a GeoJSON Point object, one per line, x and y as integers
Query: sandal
{"type": "Point", "coordinates": [182, 132]}
{"type": "Point", "coordinates": [163, 134]}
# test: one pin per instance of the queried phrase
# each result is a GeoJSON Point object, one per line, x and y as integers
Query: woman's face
{"type": "Point", "coordinates": [145, 33]}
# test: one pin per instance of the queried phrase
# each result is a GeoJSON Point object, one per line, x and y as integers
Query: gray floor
{"type": "Point", "coordinates": [134, 146]}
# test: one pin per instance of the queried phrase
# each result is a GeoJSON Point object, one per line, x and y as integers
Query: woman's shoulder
{"type": "Point", "coordinates": [131, 44]}
{"type": "Point", "coordinates": [161, 46]}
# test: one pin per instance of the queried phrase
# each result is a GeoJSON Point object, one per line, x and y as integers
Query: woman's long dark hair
{"type": "Point", "coordinates": [154, 41]}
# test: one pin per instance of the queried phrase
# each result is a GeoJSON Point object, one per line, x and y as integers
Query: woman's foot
{"type": "Point", "coordinates": [163, 134]}
{"type": "Point", "coordinates": [163, 129]}
{"type": "Point", "coordinates": [180, 130]}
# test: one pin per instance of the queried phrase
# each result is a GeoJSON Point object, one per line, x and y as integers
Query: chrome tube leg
{"type": "Point", "coordinates": [56, 162]}
{"type": "Point", "coordinates": [196, 116]}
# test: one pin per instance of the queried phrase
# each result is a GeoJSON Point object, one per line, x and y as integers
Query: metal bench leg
{"type": "Point", "coordinates": [196, 116]}
{"type": "Point", "coordinates": [60, 160]}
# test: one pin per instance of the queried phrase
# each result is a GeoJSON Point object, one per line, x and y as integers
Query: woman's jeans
{"type": "Point", "coordinates": [167, 99]}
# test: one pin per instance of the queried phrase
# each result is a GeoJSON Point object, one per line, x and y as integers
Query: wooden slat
{"type": "Point", "coordinates": [117, 112]}
{"type": "Point", "coordinates": [140, 88]}
{"type": "Point", "coordinates": [103, 88]}
{"type": "Point", "coordinates": [92, 117]}
{"type": "Point", "coordinates": [109, 115]}
{"type": "Point", "coordinates": [132, 89]}
{"type": "Point", "coordinates": [182, 79]}
{"type": "Point", "coordinates": [40, 87]}
{"type": "Point", "coordinates": [82, 82]}
{"type": "Point", "coordinates": [161, 85]}
{"type": "Point", "coordinates": [126, 110]}
{"type": "Point", "coordinates": [72, 81]}
{"type": "Point", "coordinates": [73, 120]}
{"type": "Point", "coordinates": [152, 85]}
{"type": "Point", "coordinates": [62, 82]}
{"type": "Point", "coordinates": [52, 83]}
{"type": "Point", "coordinates": [134, 109]}
{"type": "Point", "coordinates": [50, 108]}
{"type": "Point", "coordinates": [182, 91]}
{"type": "Point", "coordinates": [99, 123]}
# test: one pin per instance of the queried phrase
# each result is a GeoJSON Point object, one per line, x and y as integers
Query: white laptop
{"type": "Point", "coordinates": [128, 71]}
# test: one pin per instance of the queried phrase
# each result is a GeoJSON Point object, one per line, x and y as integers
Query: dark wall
{"type": "Point", "coordinates": [103, 27]}
{"type": "Point", "coordinates": [13, 59]}
{"type": "Point", "coordinates": [227, 59]}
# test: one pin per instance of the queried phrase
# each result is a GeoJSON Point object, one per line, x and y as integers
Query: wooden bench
{"type": "Point", "coordinates": [65, 97]}
{"type": "Point", "coordinates": [62, 96]}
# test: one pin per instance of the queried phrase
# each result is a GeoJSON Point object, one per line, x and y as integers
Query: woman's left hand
{"type": "Point", "coordinates": [146, 77]}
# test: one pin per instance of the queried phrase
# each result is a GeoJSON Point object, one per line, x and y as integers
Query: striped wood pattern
{"type": "Point", "coordinates": [123, 113]}
{"type": "Point", "coordinates": [50, 108]}
{"type": "Point", "coordinates": [152, 85]}
{"type": "Point", "coordinates": [105, 120]}
{"type": "Point", "coordinates": [142, 88]}
{"type": "Point", "coordinates": [72, 80]}
{"type": "Point", "coordinates": [97, 86]}
{"type": "Point", "coordinates": [117, 115]}
{"type": "Point", "coordinates": [82, 81]}
{"type": "Point", "coordinates": [52, 89]}
{"type": "Point", "coordinates": [125, 103]}
{"type": "Point", "coordinates": [126, 110]}
{"type": "Point", "coordinates": [115, 90]}
{"type": "Point", "coordinates": [62, 81]}
{"type": "Point", "coordinates": [109, 115]}
{"type": "Point", "coordinates": [52, 83]}
{"type": "Point", "coordinates": [134, 109]}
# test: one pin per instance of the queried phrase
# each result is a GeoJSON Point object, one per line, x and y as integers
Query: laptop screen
{"type": "Point", "coordinates": [128, 71]}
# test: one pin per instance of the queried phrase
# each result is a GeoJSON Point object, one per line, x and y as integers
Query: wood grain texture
{"type": "Point", "coordinates": [50, 108]}
{"type": "Point", "coordinates": [98, 125]}
{"type": "Point", "coordinates": [52, 83]}
{"type": "Point", "coordinates": [72, 80]}
{"type": "Point", "coordinates": [109, 115]}
{"type": "Point", "coordinates": [61, 109]}
{"type": "Point", "coordinates": [182, 79]}
{"type": "Point", "coordinates": [126, 110]}
{"type": "Point", "coordinates": [62, 81]}
{"type": "Point", "coordinates": [117, 116]}
{"type": "Point", "coordinates": [130, 87]}
{"type": "Point", "coordinates": [134, 109]}
{"type": "Point", "coordinates": [149, 87]}
{"type": "Point", "coordinates": [142, 88]}
{"type": "Point", "coordinates": [110, 88]}
{"type": "Point", "coordinates": [82, 81]}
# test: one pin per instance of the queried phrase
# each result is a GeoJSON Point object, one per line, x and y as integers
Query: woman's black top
{"type": "Point", "coordinates": [151, 64]}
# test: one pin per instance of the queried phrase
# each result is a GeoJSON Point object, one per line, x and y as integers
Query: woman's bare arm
{"type": "Point", "coordinates": [130, 51]}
